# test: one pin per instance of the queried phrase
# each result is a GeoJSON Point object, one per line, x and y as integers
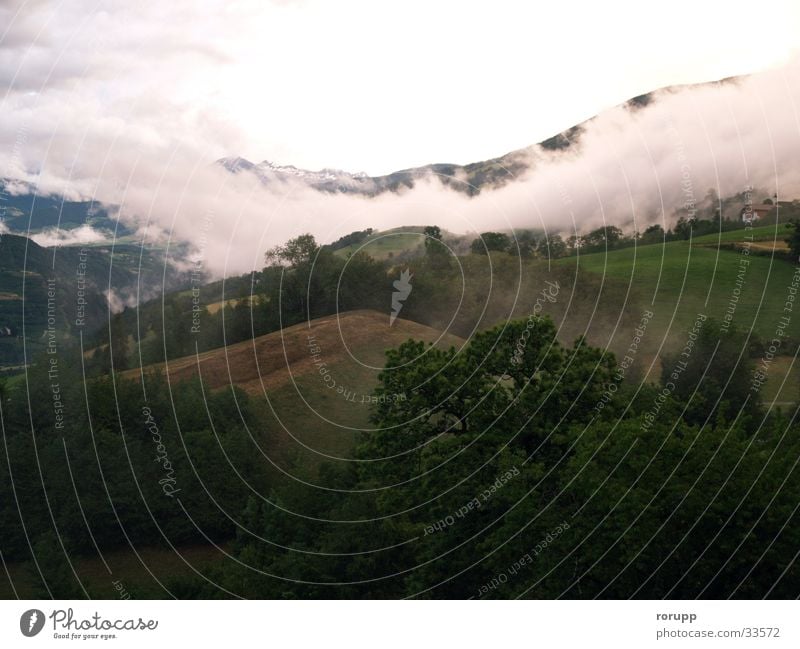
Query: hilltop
{"type": "Point", "coordinates": [287, 369]}
{"type": "Point", "coordinates": [353, 342]}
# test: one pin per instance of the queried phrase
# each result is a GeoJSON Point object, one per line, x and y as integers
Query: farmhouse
{"type": "Point", "coordinates": [753, 213]}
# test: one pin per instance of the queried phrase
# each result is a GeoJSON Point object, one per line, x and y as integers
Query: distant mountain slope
{"type": "Point", "coordinates": [469, 179]}
{"type": "Point", "coordinates": [51, 294]}
{"type": "Point", "coordinates": [24, 211]}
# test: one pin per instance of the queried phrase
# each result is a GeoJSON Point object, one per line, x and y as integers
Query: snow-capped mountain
{"type": "Point", "coordinates": [469, 179]}
{"type": "Point", "coordinates": [472, 179]}
{"type": "Point", "coordinates": [328, 180]}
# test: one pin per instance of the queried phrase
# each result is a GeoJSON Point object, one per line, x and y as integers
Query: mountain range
{"type": "Point", "coordinates": [469, 179]}
{"type": "Point", "coordinates": [52, 220]}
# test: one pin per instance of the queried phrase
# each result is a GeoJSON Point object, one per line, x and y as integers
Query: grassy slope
{"type": "Point", "coordinates": [678, 281]}
{"type": "Point", "coordinates": [384, 244]}
{"type": "Point", "coordinates": [760, 233]}
{"type": "Point", "coordinates": [304, 415]}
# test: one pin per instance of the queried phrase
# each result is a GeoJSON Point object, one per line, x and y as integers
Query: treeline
{"type": "Point", "coordinates": [302, 280]}
{"type": "Point", "coordinates": [356, 237]}
{"type": "Point", "coordinates": [528, 243]}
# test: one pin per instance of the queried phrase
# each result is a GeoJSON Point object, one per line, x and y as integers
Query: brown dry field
{"type": "Point", "coordinates": [356, 340]}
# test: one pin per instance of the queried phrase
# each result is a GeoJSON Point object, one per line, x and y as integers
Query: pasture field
{"type": "Point", "coordinates": [678, 281]}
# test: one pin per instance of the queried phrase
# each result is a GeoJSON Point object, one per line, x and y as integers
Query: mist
{"type": "Point", "coordinates": [633, 165]}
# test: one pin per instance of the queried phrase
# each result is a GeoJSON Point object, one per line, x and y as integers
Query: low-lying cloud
{"type": "Point", "coordinates": [631, 166]}
{"type": "Point", "coordinates": [84, 234]}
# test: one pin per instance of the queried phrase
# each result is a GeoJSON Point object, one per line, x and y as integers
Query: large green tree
{"type": "Point", "coordinates": [794, 239]}
{"type": "Point", "coordinates": [491, 242]}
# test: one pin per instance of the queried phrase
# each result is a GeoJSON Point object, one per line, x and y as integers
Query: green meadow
{"type": "Point", "coordinates": [677, 281]}
{"type": "Point", "coordinates": [776, 232]}
{"type": "Point", "coordinates": [387, 244]}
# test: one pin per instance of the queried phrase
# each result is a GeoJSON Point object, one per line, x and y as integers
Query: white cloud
{"type": "Point", "coordinates": [357, 85]}
{"type": "Point", "coordinates": [131, 106]}
{"type": "Point", "coordinates": [58, 237]}
{"type": "Point", "coordinates": [118, 303]}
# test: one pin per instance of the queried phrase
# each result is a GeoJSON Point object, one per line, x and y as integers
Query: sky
{"type": "Point", "coordinates": [360, 86]}
{"type": "Point", "coordinates": [130, 104]}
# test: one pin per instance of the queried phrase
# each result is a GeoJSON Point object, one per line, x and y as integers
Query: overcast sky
{"type": "Point", "coordinates": [361, 86]}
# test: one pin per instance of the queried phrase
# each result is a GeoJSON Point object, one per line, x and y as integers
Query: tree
{"type": "Point", "coordinates": [714, 376]}
{"type": "Point", "coordinates": [449, 427]}
{"type": "Point", "coordinates": [523, 244]}
{"type": "Point", "coordinates": [575, 243]}
{"type": "Point", "coordinates": [794, 238]}
{"type": "Point", "coordinates": [513, 369]}
{"type": "Point", "coordinates": [57, 578]}
{"type": "Point", "coordinates": [653, 234]}
{"type": "Point", "coordinates": [605, 237]}
{"type": "Point", "coordinates": [552, 247]}
{"type": "Point", "coordinates": [684, 226]}
{"type": "Point", "coordinates": [490, 242]}
{"type": "Point", "coordinates": [294, 252]}
{"type": "Point", "coordinates": [433, 233]}
{"type": "Point", "coordinates": [354, 238]}
{"type": "Point", "coordinates": [436, 253]}
{"type": "Point", "coordinates": [363, 284]}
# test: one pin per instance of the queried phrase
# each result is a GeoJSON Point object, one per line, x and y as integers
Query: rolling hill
{"type": "Point", "coordinates": [287, 370]}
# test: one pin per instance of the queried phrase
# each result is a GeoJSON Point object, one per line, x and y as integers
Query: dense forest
{"type": "Point", "coordinates": [518, 466]}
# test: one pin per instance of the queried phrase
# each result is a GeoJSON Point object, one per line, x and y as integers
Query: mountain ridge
{"type": "Point", "coordinates": [470, 178]}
